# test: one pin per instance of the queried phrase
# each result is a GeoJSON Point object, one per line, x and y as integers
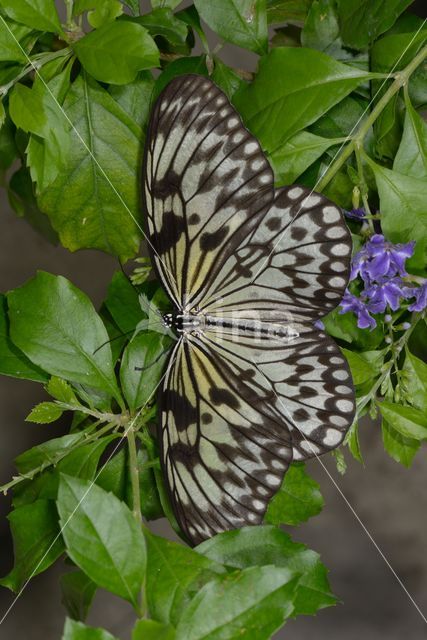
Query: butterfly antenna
{"type": "Point", "coordinates": [122, 335]}
{"type": "Point", "coordinates": [154, 361]}
{"type": "Point", "coordinates": [127, 276]}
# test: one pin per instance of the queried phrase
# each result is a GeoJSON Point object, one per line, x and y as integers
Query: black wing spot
{"type": "Point", "coordinates": [206, 418]}
{"type": "Point", "coordinates": [211, 241]}
{"type": "Point", "coordinates": [172, 228]}
{"type": "Point", "coordinates": [273, 224]}
{"type": "Point", "coordinates": [298, 233]}
{"type": "Point", "coordinates": [223, 396]}
{"type": "Point", "coordinates": [182, 410]}
{"type": "Point", "coordinates": [167, 186]}
{"type": "Point", "coordinates": [194, 218]}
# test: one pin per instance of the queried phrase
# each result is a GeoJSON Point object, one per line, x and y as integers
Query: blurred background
{"type": "Point", "coordinates": [389, 500]}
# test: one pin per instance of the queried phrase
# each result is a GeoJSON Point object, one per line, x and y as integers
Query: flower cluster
{"type": "Point", "coordinates": [381, 266]}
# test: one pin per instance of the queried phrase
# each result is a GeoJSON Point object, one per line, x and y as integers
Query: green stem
{"type": "Point", "coordinates": [69, 7]}
{"type": "Point", "coordinates": [37, 62]}
{"type": "Point", "coordinates": [87, 438]}
{"type": "Point", "coordinates": [397, 348]}
{"type": "Point", "coordinates": [119, 419]}
{"type": "Point", "coordinates": [400, 80]}
{"type": "Point", "coordinates": [134, 474]}
{"type": "Point", "coordinates": [363, 187]}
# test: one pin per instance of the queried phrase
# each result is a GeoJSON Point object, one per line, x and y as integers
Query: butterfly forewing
{"type": "Point", "coordinates": [254, 385]}
{"type": "Point", "coordinates": [205, 176]}
{"type": "Point", "coordinates": [292, 267]}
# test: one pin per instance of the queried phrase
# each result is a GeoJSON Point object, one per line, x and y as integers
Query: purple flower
{"type": "Point", "coordinates": [357, 306]}
{"type": "Point", "coordinates": [383, 294]}
{"type": "Point", "coordinates": [420, 295]}
{"type": "Point", "coordinates": [379, 259]}
{"type": "Point", "coordinates": [355, 214]}
{"type": "Point", "coordinates": [319, 325]}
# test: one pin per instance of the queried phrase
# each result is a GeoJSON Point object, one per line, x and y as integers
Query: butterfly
{"type": "Point", "coordinates": [251, 383]}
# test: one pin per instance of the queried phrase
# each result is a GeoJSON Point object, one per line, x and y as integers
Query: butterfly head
{"type": "Point", "coordinates": [183, 323]}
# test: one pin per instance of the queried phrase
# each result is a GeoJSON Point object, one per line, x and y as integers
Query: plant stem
{"type": "Point", "coordinates": [37, 62]}
{"type": "Point", "coordinates": [134, 474]}
{"type": "Point", "coordinates": [396, 349]}
{"type": "Point", "coordinates": [87, 438]}
{"type": "Point", "coordinates": [400, 80]}
{"type": "Point", "coordinates": [69, 7]}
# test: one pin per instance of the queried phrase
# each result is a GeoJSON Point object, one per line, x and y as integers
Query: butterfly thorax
{"type": "Point", "coordinates": [184, 323]}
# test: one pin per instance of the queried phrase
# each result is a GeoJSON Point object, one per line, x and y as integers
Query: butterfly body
{"type": "Point", "coordinates": [251, 385]}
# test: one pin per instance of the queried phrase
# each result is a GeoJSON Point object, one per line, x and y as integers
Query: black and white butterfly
{"type": "Point", "coordinates": [251, 384]}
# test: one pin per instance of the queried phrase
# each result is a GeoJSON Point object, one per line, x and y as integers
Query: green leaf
{"type": "Point", "coordinates": [396, 50]}
{"type": "Point", "coordinates": [254, 603]}
{"type": "Point", "coordinates": [399, 447]}
{"type": "Point", "coordinates": [10, 51]}
{"type": "Point", "coordinates": [411, 157]}
{"type": "Point", "coordinates": [83, 462]}
{"type": "Point", "coordinates": [403, 210]}
{"type": "Point", "coordinates": [152, 630]}
{"type": "Point", "coordinates": [102, 537]}
{"type": "Point", "coordinates": [12, 361]}
{"type": "Point", "coordinates": [95, 205]}
{"type": "Point", "coordinates": [56, 326]}
{"type": "Point", "coordinates": [77, 594]}
{"type": "Point", "coordinates": [352, 441]}
{"type": "Point", "coordinates": [122, 302]}
{"type": "Point", "coordinates": [287, 10]}
{"type": "Point", "coordinates": [113, 475]}
{"type": "Point", "coordinates": [344, 327]}
{"type": "Point", "coordinates": [61, 390]}
{"type": "Point", "coordinates": [44, 413]}
{"type": "Point", "coordinates": [23, 201]}
{"type": "Point", "coordinates": [362, 21]}
{"type": "Point", "coordinates": [8, 150]}
{"type": "Point", "coordinates": [117, 51]}
{"type": "Point", "coordinates": [75, 458]}
{"type": "Point", "coordinates": [415, 381]}
{"type": "Point", "coordinates": [226, 78]}
{"type": "Point", "coordinates": [363, 367]}
{"type": "Point", "coordinates": [78, 631]}
{"type": "Point", "coordinates": [312, 84]}
{"type": "Point", "coordinates": [143, 364]}
{"type": "Point", "coordinates": [408, 421]}
{"type": "Point", "coordinates": [48, 144]}
{"type": "Point", "coordinates": [243, 23]}
{"type": "Point", "coordinates": [37, 14]}
{"type": "Point", "coordinates": [46, 453]}
{"type": "Point", "coordinates": [297, 154]}
{"type": "Point", "coordinates": [195, 64]}
{"type": "Point", "coordinates": [165, 3]}
{"type": "Point", "coordinates": [26, 110]}
{"type": "Point", "coordinates": [191, 17]}
{"type": "Point", "coordinates": [133, 6]}
{"type": "Point", "coordinates": [100, 11]}
{"type": "Point", "coordinates": [135, 97]}
{"type": "Point", "coordinates": [174, 574]}
{"type": "Point", "coordinates": [321, 29]}
{"type": "Point", "coordinates": [162, 22]}
{"type": "Point", "coordinates": [36, 540]}
{"type": "Point", "coordinates": [297, 500]}
{"type": "Point", "coordinates": [151, 507]}
{"type": "Point", "coordinates": [268, 545]}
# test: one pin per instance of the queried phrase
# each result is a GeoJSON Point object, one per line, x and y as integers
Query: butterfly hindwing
{"type": "Point", "coordinates": [224, 451]}
{"type": "Point", "coordinates": [307, 377]}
